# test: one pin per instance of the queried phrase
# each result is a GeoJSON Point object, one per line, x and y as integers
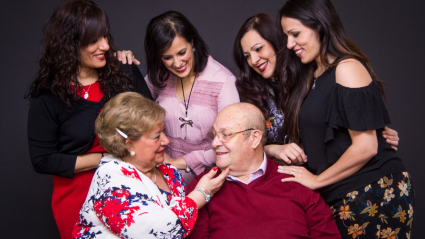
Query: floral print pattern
{"type": "Point", "coordinates": [274, 124]}
{"type": "Point", "coordinates": [124, 203]}
{"type": "Point", "coordinates": [383, 209]}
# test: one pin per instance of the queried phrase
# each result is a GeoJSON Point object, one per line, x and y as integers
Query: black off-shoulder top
{"type": "Point", "coordinates": [326, 114]}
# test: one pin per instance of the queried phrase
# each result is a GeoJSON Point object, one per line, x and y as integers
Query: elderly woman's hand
{"type": "Point", "coordinates": [127, 56]}
{"type": "Point", "coordinates": [210, 184]}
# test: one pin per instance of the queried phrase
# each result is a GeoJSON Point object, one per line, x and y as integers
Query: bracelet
{"type": "Point", "coordinates": [205, 193]}
{"type": "Point", "coordinates": [187, 170]}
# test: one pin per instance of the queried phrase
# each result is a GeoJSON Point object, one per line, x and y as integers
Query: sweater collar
{"type": "Point", "coordinates": [254, 175]}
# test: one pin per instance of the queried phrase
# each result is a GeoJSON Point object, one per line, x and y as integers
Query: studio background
{"type": "Point", "coordinates": [390, 33]}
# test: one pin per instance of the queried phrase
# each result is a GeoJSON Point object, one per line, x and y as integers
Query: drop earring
{"type": "Point", "coordinates": [132, 153]}
{"type": "Point", "coordinates": [193, 49]}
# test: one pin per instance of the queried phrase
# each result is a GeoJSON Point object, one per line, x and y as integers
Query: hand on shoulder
{"type": "Point", "coordinates": [352, 74]}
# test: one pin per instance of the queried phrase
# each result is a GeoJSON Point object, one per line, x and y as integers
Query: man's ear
{"type": "Point", "coordinates": [257, 136]}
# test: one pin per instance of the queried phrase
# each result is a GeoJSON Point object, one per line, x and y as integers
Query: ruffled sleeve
{"type": "Point", "coordinates": [358, 109]}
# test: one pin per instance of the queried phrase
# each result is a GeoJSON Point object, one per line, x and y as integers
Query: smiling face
{"type": "Point", "coordinates": [179, 58]}
{"type": "Point", "coordinates": [93, 55]}
{"type": "Point", "coordinates": [233, 152]}
{"type": "Point", "coordinates": [303, 40]}
{"type": "Point", "coordinates": [259, 54]}
{"type": "Point", "coordinates": [149, 149]}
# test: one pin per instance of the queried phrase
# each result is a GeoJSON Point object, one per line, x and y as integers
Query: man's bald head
{"type": "Point", "coordinates": [241, 152]}
{"type": "Point", "coordinates": [246, 115]}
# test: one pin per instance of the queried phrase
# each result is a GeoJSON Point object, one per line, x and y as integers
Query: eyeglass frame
{"type": "Point", "coordinates": [226, 135]}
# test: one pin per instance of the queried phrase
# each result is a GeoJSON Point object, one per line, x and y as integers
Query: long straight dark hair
{"type": "Point", "coordinates": [319, 15]}
{"type": "Point", "coordinates": [160, 34]}
{"type": "Point", "coordinates": [252, 87]}
{"type": "Point", "coordinates": [73, 25]}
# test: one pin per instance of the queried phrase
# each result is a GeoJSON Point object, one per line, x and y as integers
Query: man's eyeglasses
{"type": "Point", "coordinates": [223, 137]}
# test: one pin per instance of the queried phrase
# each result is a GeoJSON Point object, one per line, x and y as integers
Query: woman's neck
{"type": "Point", "coordinates": [321, 67]}
{"type": "Point", "coordinates": [87, 76]}
{"type": "Point", "coordinates": [189, 79]}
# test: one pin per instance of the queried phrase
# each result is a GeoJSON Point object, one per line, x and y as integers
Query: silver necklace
{"type": "Point", "coordinates": [315, 78]}
{"type": "Point", "coordinates": [186, 121]}
{"type": "Point", "coordinates": [86, 93]}
{"type": "Point", "coordinates": [154, 174]}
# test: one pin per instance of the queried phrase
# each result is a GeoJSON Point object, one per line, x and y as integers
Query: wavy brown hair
{"type": "Point", "coordinates": [321, 16]}
{"type": "Point", "coordinates": [252, 87]}
{"type": "Point", "coordinates": [73, 25]}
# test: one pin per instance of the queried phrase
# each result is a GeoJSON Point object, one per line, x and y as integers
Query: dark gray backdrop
{"type": "Point", "coordinates": [390, 32]}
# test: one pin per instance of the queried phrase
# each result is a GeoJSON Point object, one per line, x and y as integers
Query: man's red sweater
{"type": "Point", "coordinates": [265, 208]}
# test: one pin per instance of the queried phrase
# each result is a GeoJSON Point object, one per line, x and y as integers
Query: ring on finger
{"type": "Point", "coordinates": [293, 173]}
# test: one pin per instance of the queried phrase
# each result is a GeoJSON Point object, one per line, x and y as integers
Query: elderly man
{"type": "Point", "coordinates": [253, 202]}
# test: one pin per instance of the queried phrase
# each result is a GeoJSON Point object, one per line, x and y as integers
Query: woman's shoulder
{"type": "Point", "coordinates": [351, 73]}
{"type": "Point", "coordinates": [111, 165]}
{"type": "Point", "coordinates": [215, 71]}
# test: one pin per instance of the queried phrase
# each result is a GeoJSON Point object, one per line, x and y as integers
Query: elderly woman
{"type": "Point", "coordinates": [133, 193]}
{"type": "Point", "coordinates": [78, 74]}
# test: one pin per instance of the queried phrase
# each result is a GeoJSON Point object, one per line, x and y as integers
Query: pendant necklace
{"type": "Point", "coordinates": [186, 121]}
{"type": "Point", "coordinates": [86, 93]}
{"type": "Point", "coordinates": [315, 78]}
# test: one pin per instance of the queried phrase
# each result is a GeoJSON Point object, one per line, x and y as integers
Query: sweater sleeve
{"type": "Point", "coordinates": [319, 216]}
{"type": "Point", "coordinates": [200, 160]}
{"type": "Point", "coordinates": [200, 230]}
{"type": "Point", "coordinates": [43, 140]}
{"type": "Point", "coordinates": [139, 82]}
{"type": "Point", "coordinates": [229, 94]}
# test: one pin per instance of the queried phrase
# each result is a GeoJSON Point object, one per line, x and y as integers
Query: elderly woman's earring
{"type": "Point", "coordinates": [132, 153]}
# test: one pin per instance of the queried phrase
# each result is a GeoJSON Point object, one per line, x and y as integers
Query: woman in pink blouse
{"type": "Point", "coordinates": [190, 85]}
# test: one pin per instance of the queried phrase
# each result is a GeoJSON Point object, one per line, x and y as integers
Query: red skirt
{"type": "Point", "coordinates": [68, 198]}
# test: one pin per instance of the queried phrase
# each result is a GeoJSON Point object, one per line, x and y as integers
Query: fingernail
{"type": "Point", "coordinates": [215, 168]}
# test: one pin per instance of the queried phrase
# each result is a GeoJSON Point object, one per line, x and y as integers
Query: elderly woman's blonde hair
{"type": "Point", "coordinates": [130, 113]}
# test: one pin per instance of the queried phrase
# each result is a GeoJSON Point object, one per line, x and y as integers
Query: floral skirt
{"type": "Point", "coordinates": [383, 209]}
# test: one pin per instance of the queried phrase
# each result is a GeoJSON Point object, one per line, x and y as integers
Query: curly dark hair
{"type": "Point", "coordinates": [252, 87]}
{"type": "Point", "coordinates": [73, 25]}
{"type": "Point", "coordinates": [160, 34]}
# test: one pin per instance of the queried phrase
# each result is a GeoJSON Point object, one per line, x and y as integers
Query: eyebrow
{"type": "Point", "coordinates": [252, 47]}
{"type": "Point", "coordinates": [177, 51]}
{"type": "Point", "coordinates": [290, 31]}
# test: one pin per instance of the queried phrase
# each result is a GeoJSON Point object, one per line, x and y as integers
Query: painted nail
{"type": "Point", "coordinates": [215, 168]}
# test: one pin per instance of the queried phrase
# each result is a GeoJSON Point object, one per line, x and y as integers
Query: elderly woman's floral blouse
{"type": "Point", "coordinates": [124, 203]}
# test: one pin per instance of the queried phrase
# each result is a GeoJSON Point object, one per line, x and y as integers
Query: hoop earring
{"type": "Point", "coordinates": [132, 153]}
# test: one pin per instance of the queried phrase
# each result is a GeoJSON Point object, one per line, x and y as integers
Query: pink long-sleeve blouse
{"type": "Point", "coordinates": [213, 90]}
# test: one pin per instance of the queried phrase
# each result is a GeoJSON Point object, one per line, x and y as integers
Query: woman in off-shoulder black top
{"type": "Point", "coordinates": [339, 119]}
